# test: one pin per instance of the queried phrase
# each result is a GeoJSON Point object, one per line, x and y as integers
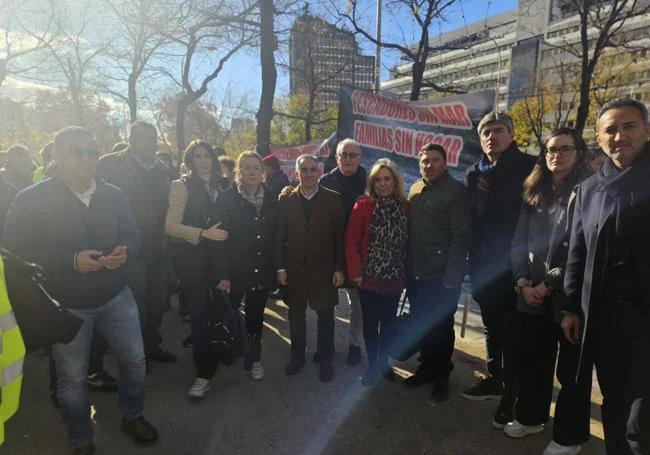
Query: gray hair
{"type": "Point", "coordinates": [625, 102]}
{"type": "Point", "coordinates": [495, 116]}
{"type": "Point", "coordinates": [303, 157]}
{"type": "Point", "coordinates": [341, 145]}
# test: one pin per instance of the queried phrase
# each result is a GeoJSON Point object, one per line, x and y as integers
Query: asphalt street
{"type": "Point", "coordinates": [287, 415]}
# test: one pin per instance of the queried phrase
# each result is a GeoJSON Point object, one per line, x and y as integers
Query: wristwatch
{"type": "Point", "coordinates": [522, 282]}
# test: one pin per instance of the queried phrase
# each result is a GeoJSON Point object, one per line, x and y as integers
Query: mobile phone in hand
{"type": "Point", "coordinates": [118, 250]}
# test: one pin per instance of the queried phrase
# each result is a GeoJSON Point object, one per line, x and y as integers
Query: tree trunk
{"type": "Point", "coordinates": [307, 129]}
{"type": "Point", "coordinates": [269, 76]}
{"type": "Point", "coordinates": [133, 98]}
{"type": "Point", "coordinates": [181, 111]}
{"type": "Point", "coordinates": [418, 73]}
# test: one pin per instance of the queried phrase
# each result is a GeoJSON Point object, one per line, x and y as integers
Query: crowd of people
{"type": "Point", "coordinates": [557, 251]}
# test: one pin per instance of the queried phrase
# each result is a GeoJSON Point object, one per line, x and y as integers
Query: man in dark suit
{"type": "Point", "coordinates": [310, 261]}
{"type": "Point", "coordinates": [145, 180]}
{"type": "Point", "coordinates": [495, 185]}
{"type": "Point", "coordinates": [607, 275]}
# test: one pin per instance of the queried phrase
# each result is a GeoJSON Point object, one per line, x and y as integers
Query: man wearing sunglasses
{"type": "Point", "coordinates": [82, 232]}
{"type": "Point", "coordinates": [145, 180]}
{"type": "Point", "coordinates": [348, 179]}
{"type": "Point", "coordinates": [310, 262]}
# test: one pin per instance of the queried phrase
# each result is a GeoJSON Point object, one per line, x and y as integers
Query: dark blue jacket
{"type": "Point", "coordinates": [47, 224]}
{"type": "Point", "coordinates": [539, 254]}
{"type": "Point", "coordinates": [609, 203]}
{"type": "Point", "coordinates": [349, 187]}
{"type": "Point", "coordinates": [494, 228]}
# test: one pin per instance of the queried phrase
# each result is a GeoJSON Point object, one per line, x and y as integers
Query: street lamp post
{"type": "Point", "coordinates": [378, 48]}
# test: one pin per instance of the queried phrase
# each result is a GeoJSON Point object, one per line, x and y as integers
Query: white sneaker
{"type": "Point", "coordinates": [199, 388]}
{"type": "Point", "coordinates": [516, 430]}
{"type": "Point", "coordinates": [553, 448]}
{"type": "Point", "coordinates": [257, 372]}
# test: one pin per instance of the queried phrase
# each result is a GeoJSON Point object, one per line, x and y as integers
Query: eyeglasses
{"type": "Point", "coordinates": [78, 152]}
{"type": "Point", "coordinates": [565, 150]}
{"type": "Point", "coordinates": [348, 155]}
{"type": "Point", "coordinates": [251, 169]}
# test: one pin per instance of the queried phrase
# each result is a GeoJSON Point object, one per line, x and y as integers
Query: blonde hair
{"type": "Point", "coordinates": [241, 157]}
{"type": "Point", "coordinates": [385, 163]}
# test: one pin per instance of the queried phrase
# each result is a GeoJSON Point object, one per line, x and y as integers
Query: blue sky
{"type": "Point", "coordinates": [244, 70]}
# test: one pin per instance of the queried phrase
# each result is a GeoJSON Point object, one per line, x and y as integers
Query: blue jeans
{"type": "Point", "coordinates": [119, 323]}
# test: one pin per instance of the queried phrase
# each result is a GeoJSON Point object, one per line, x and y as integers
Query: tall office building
{"type": "Point", "coordinates": [518, 49]}
{"type": "Point", "coordinates": [322, 57]}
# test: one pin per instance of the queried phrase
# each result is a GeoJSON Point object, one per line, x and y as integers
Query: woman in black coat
{"type": "Point", "coordinates": [251, 212]}
{"type": "Point", "coordinates": [539, 255]}
{"type": "Point", "coordinates": [196, 244]}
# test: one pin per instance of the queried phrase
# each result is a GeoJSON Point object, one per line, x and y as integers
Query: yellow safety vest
{"type": "Point", "coordinates": [12, 356]}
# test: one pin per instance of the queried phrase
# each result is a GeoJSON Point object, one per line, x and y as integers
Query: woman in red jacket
{"type": "Point", "coordinates": [376, 242]}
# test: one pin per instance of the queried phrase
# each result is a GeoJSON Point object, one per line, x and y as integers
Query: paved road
{"type": "Point", "coordinates": [282, 415]}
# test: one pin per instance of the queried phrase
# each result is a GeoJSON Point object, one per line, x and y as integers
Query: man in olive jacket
{"type": "Point", "coordinates": [310, 261]}
{"type": "Point", "coordinates": [440, 237]}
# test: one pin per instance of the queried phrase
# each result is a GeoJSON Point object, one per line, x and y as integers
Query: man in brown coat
{"type": "Point", "coordinates": [310, 261]}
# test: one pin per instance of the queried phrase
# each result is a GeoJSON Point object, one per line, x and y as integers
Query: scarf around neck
{"type": "Point", "coordinates": [256, 199]}
{"type": "Point", "coordinates": [385, 262]}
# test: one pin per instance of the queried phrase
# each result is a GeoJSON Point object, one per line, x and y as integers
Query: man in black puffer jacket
{"type": "Point", "coordinates": [349, 180]}
{"type": "Point", "coordinates": [495, 189]}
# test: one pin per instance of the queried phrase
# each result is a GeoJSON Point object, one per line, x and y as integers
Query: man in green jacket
{"type": "Point", "coordinates": [440, 237]}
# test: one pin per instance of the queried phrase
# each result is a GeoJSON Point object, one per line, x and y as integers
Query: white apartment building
{"type": "Point", "coordinates": [515, 50]}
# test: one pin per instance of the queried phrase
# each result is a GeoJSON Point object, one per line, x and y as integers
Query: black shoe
{"type": "Point", "coordinates": [354, 356]}
{"type": "Point", "coordinates": [440, 390]}
{"type": "Point", "coordinates": [389, 374]}
{"type": "Point", "coordinates": [88, 449]}
{"type": "Point", "coordinates": [326, 372]}
{"type": "Point", "coordinates": [294, 366]}
{"type": "Point", "coordinates": [417, 380]}
{"type": "Point", "coordinates": [486, 389]}
{"type": "Point", "coordinates": [505, 414]}
{"type": "Point", "coordinates": [54, 398]}
{"type": "Point", "coordinates": [102, 382]}
{"type": "Point", "coordinates": [187, 342]}
{"type": "Point", "coordinates": [161, 356]}
{"type": "Point", "coordinates": [141, 430]}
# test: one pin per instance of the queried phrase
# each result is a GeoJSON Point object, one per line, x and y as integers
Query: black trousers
{"type": "Point", "coordinates": [202, 309]}
{"type": "Point", "coordinates": [501, 322]}
{"type": "Point", "coordinates": [379, 312]}
{"type": "Point", "coordinates": [149, 282]}
{"type": "Point", "coordinates": [540, 336]}
{"type": "Point", "coordinates": [254, 304]}
{"type": "Point", "coordinates": [433, 307]}
{"type": "Point", "coordinates": [298, 328]}
{"type": "Point", "coordinates": [621, 351]}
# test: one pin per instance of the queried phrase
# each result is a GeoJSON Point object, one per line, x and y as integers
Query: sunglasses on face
{"type": "Point", "coordinates": [78, 152]}
{"type": "Point", "coordinates": [350, 155]}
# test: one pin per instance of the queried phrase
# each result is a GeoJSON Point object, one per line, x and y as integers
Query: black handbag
{"type": "Point", "coordinates": [227, 330]}
{"type": "Point", "coordinates": [404, 341]}
{"type": "Point", "coordinates": [41, 318]}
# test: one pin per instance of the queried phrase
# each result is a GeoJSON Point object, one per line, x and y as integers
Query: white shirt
{"type": "Point", "coordinates": [309, 198]}
{"type": "Point", "coordinates": [87, 195]}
